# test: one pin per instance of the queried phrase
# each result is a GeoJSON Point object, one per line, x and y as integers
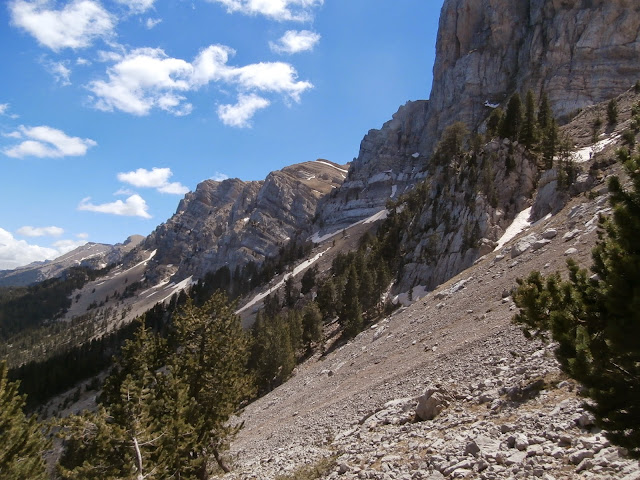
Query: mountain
{"type": "Point", "coordinates": [92, 255]}
{"type": "Point", "coordinates": [580, 53]}
{"type": "Point", "coordinates": [232, 223]}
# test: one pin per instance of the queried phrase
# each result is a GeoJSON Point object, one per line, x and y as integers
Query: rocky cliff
{"type": "Point", "coordinates": [580, 53]}
{"type": "Point", "coordinates": [234, 222]}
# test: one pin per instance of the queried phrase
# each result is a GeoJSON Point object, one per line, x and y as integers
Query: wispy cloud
{"type": "Point", "coordinates": [60, 72]}
{"type": "Point", "coordinates": [294, 41]}
{"type": "Point", "coordinates": [134, 206]}
{"type": "Point", "coordinates": [138, 6]}
{"type": "Point", "coordinates": [157, 178]}
{"type": "Point", "coordinates": [240, 114]}
{"type": "Point", "coordinates": [47, 142]}
{"type": "Point", "coordinates": [281, 10]}
{"type": "Point", "coordinates": [219, 177]}
{"type": "Point", "coordinates": [4, 110]}
{"type": "Point", "coordinates": [148, 78]}
{"type": "Point", "coordinates": [75, 26]}
{"type": "Point", "coordinates": [152, 22]}
{"type": "Point", "coordinates": [29, 231]}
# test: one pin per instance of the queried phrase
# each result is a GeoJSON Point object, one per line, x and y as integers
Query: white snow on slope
{"type": "Point", "coordinates": [144, 262]}
{"type": "Point", "coordinates": [394, 189]}
{"type": "Point", "coordinates": [381, 215]}
{"type": "Point", "coordinates": [304, 265]}
{"type": "Point", "coordinates": [586, 153]}
{"type": "Point", "coordinates": [330, 165]}
{"type": "Point", "coordinates": [520, 223]}
{"type": "Point", "coordinates": [177, 287]}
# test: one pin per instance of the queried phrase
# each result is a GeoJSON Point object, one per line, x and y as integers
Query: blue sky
{"type": "Point", "coordinates": [110, 111]}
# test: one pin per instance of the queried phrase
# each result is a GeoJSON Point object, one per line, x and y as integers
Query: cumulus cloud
{"type": "Point", "coordinates": [47, 142]}
{"type": "Point", "coordinates": [240, 114]}
{"type": "Point", "coordinates": [16, 253]}
{"type": "Point", "coordinates": [29, 231]}
{"type": "Point", "coordinates": [281, 10]}
{"type": "Point", "coordinates": [157, 178]}
{"type": "Point", "coordinates": [148, 78]}
{"type": "Point", "coordinates": [76, 25]}
{"type": "Point", "coordinates": [294, 41]}
{"type": "Point", "coordinates": [134, 206]}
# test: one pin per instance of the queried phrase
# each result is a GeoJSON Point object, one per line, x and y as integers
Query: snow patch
{"type": "Point", "coordinates": [394, 189]}
{"type": "Point", "coordinates": [333, 166]}
{"type": "Point", "coordinates": [587, 153]}
{"type": "Point", "coordinates": [144, 262]}
{"type": "Point", "coordinates": [304, 265]}
{"type": "Point", "coordinates": [178, 286]}
{"type": "Point", "coordinates": [417, 293]}
{"type": "Point", "coordinates": [416, 155]}
{"type": "Point", "coordinates": [487, 103]}
{"type": "Point", "coordinates": [519, 224]}
{"type": "Point", "coordinates": [381, 215]}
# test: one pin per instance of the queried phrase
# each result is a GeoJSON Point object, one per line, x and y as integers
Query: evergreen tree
{"type": "Point", "coordinates": [212, 360]}
{"type": "Point", "coordinates": [351, 312]}
{"type": "Point", "coordinates": [596, 318]}
{"type": "Point", "coordinates": [327, 298]}
{"type": "Point", "coordinates": [545, 114]}
{"type": "Point", "coordinates": [512, 120]}
{"type": "Point", "coordinates": [308, 280]}
{"type": "Point", "coordinates": [312, 325]}
{"type": "Point", "coordinates": [21, 440]}
{"type": "Point", "coordinates": [494, 121]}
{"type": "Point", "coordinates": [550, 143]}
{"type": "Point", "coordinates": [529, 133]}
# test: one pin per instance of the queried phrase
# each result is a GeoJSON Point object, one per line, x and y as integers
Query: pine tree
{"type": "Point", "coordinates": [312, 325]}
{"type": "Point", "coordinates": [351, 312]}
{"type": "Point", "coordinates": [550, 143]}
{"type": "Point", "coordinates": [212, 360]}
{"type": "Point", "coordinates": [21, 440]}
{"type": "Point", "coordinates": [596, 318]}
{"type": "Point", "coordinates": [529, 133]}
{"type": "Point", "coordinates": [512, 120]}
{"type": "Point", "coordinates": [612, 111]}
{"type": "Point", "coordinates": [545, 114]}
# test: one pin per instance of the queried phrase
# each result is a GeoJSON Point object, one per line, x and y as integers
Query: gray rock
{"type": "Point", "coordinates": [432, 403]}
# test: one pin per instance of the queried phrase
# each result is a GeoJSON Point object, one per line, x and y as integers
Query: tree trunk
{"type": "Point", "coordinates": [220, 461]}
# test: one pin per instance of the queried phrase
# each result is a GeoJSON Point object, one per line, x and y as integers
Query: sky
{"type": "Point", "coordinates": [112, 110]}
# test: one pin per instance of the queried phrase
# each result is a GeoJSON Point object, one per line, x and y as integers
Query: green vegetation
{"type": "Point", "coordinates": [23, 444]}
{"type": "Point", "coordinates": [595, 318]}
{"type": "Point", "coordinates": [612, 111]}
{"type": "Point", "coordinates": [167, 404]}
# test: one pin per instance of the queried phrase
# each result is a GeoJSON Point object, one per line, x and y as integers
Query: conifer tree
{"type": "Point", "coordinates": [596, 318]}
{"type": "Point", "coordinates": [312, 324]}
{"type": "Point", "coordinates": [545, 114]}
{"type": "Point", "coordinates": [351, 312]}
{"type": "Point", "coordinates": [21, 440]}
{"type": "Point", "coordinates": [512, 120]}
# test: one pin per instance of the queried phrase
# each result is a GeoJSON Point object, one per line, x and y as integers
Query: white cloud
{"type": "Point", "coordinates": [294, 41]}
{"type": "Point", "coordinates": [240, 114]}
{"type": "Point", "coordinates": [152, 22]}
{"type": "Point", "coordinates": [4, 110]}
{"type": "Point", "coordinates": [157, 178]}
{"type": "Point", "coordinates": [47, 142]}
{"type": "Point", "coordinates": [76, 25]}
{"type": "Point", "coordinates": [134, 206]}
{"type": "Point", "coordinates": [138, 6]}
{"type": "Point", "coordinates": [65, 246]}
{"type": "Point", "coordinates": [148, 78]}
{"type": "Point", "coordinates": [292, 10]}
{"type": "Point", "coordinates": [219, 177]}
{"type": "Point", "coordinates": [82, 61]}
{"type": "Point", "coordinates": [60, 72]}
{"type": "Point", "coordinates": [83, 235]}
{"type": "Point", "coordinates": [124, 191]}
{"type": "Point", "coordinates": [29, 231]}
{"type": "Point", "coordinates": [16, 253]}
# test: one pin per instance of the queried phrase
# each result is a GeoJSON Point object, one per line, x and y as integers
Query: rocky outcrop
{"type": "Point", "coordinates": [580, 53]}
{"type": "Point", "coordinates": [234, 222]}
{"type": "Point", "coordinates": [390, 162]}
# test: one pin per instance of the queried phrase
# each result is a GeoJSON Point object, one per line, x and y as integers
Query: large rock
{"type": "Point", "coordinates": [434, 401]}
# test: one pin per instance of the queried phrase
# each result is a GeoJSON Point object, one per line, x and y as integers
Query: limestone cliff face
{"type": "Point", "coordinates": [580, 52]}
{"type": "Point", "coordinates": [233, 222]}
